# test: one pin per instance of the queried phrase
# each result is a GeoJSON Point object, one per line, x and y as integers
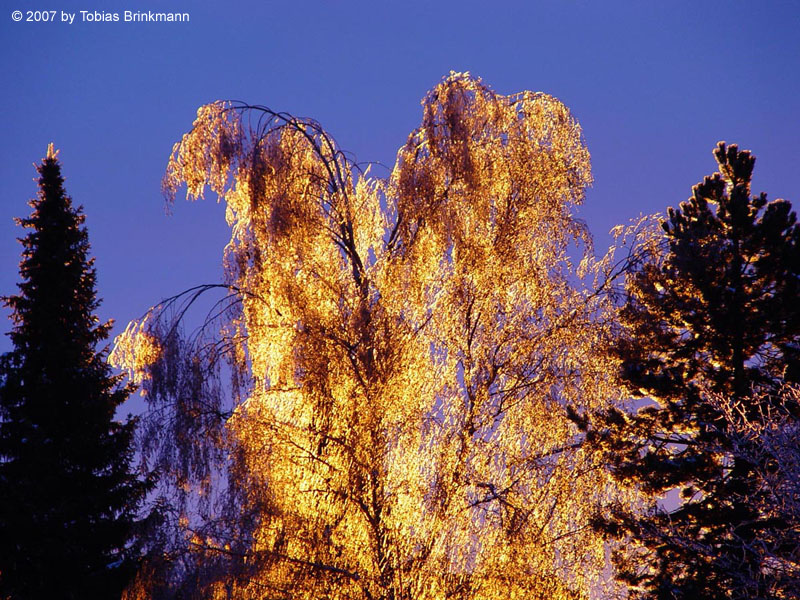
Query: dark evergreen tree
{"type": "Point", "coordinates": [67, 495]}
{"type": "Point", "coordinates": [715, 317]}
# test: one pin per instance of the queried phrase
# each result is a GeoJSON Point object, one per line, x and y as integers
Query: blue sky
{"type": "Point", "coordinates": [654, 84]}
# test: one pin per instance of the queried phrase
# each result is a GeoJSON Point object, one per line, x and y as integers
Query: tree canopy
{"type": "Point", "coordinates": [402, 351]}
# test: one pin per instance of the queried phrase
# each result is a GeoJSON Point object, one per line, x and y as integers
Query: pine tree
{"type": "Point", "coordinates": [67, 496]}
{"type": "Point", "coordinates": [714, 317]}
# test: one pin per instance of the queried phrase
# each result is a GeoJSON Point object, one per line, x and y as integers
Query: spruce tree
{"type": "Point", "coordinates": [67, 495]}
{"type": "Point", "coordinates": [716, 316]}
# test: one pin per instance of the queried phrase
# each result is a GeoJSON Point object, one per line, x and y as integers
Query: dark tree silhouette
{"type": "Point", "coordinates": [712, 322]}
{"type": "Point", "coordinates": [67, 495]}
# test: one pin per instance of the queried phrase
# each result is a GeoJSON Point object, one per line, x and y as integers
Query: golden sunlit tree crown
{"type": "Point", "coordinates": [404, 350]}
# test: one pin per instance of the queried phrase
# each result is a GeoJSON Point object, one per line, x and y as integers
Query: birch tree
{"type": "Point", "coordinates": [402, 351]}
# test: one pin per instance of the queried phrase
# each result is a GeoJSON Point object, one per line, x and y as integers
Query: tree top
{"type": "Point", "coordinates": [52, 153]}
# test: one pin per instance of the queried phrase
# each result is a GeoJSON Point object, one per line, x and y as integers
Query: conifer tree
{"type": "Point", "coordinates": [67, 495]}
{"type": "Point", "coordinates": [714, 317]}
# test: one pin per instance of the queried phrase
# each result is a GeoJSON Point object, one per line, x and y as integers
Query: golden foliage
{"type": "Point", "coordinates": [136, 348]}
{"type": "Point", "coordinates": [411, 345]}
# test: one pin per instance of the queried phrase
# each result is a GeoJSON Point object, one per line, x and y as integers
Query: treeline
{"type": "Point", "coordinates": [405, 388]}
